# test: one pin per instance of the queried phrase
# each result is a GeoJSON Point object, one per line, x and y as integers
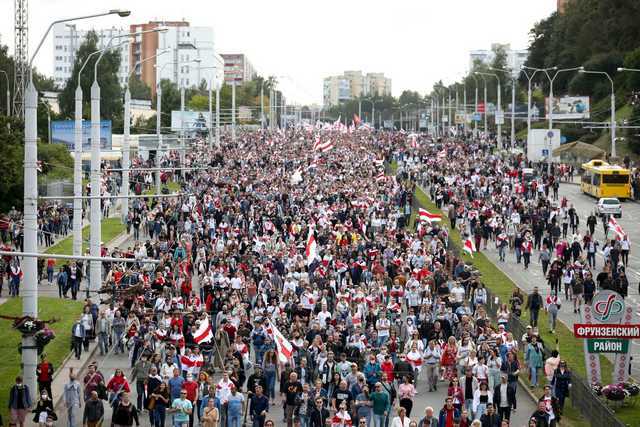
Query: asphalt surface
{"type": "Point", "coordinates": [584, 204]}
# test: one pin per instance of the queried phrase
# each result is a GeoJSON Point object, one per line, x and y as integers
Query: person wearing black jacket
{"type": "Point", "coordinates": [541, 416]}
{"type": "Point", "coordinates": [504, 398]}
{"type": "Point", "coordinates": [125, 412]}
{"type": "Point", "coordinates": [552, 406]}
{"type": "Point", "coordinates": [534, 304]}
{"type": "Point", "coordinates": [403, 368]}
{"type": "Point", "coordinates": [256, 379]}
{"type": "Point", "coordinates": [259, 406]}
{"type": "Point", "coordinates": [490, 418]}
{"type": "Point", "coordinates": [318, 415]}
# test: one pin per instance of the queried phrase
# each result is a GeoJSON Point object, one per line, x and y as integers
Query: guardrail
{"type": "Point", "coordinates": [582, 397]}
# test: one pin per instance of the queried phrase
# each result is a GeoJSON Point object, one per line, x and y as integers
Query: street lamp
{"type": "Point", "coordinates": [486, 108]}
{"type": "Point", "coordinates": [30, 222]}
{"type": "Point", "coordinates": [613, 106]}
{"type": "Point", "coordinates": [95, 267]}
{"type": "Point", "coordinates": [551, 80]}
{"type": "Point", "coordinates": [217, 103]}
{"type": "Point", "coordinates": [475, 125]}
{"type": "Point", "coordinates": [513, 103]}
{"type": "Point", "coordinates": [125, 138]}
{"type": "Point", "coordinates": [499, 108]}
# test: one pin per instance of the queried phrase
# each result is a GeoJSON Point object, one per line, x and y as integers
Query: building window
{"type": "Point", "coordinates": [187, 82]}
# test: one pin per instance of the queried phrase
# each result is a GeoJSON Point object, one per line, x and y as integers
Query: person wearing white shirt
{"type": "Point", "coordinates": [431, 356]}
{"type": "Point", "coordinates": [324, 316]}
{"type": "Point", "coordinates": [458, 293]}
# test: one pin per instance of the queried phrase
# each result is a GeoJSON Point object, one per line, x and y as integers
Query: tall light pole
{"type": "Point", "coordinates": [77, 160]}
{"type": "Point", "coordinates": [613, 106]}
{"type": "Point", "coordinates": [6, 76]}
{"type": "Point", "coordinates": [126, 164]}
{"type": "Point", "coordinates": [475, 122]}
{"type": "Point", "coordinates": [551, 80]}
{"type": "Point", "coordinates": [486, 108]}
{"type": "Point", "coordinates": [513, 101]}
{"type": "Point", "coordinates": [498, 110]}
{"type": "Point", "coordinates": [30, 222]}
{"type": "Point", "coordinates": [182, 127]}
{"type": "Point", "coordinates": [95, 267]}
{"type": "Point", "coordinates": [233, 111]}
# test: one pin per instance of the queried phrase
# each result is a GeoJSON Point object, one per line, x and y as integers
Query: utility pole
{"type": "Point", "coordinates": [95, 267]}
{"type": "Point", "coordinates": [233, 110]}
{"type": "Point", "coordinates": [20, 68]}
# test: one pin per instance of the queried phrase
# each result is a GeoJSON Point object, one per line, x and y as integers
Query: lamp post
{"type": "Point", "coordinates": [498, 110]}
{"type": "Point", "coordinates": [551, 80]}
{"type": "Point", "coordinates": [125, 137]}
{"type": "Point", "coordinates": [182, 127]}
{"type": "Point", "coordinates": [486, 108]}
{"type": "Point", "coordinates": [613, 106]}
{"type": "Point", "coordinates": [513, 102]}
{"type": "Point", "coordinates": [30, 223]}
{"type": "Point", "coordinates": [95, 267]}
{"type": "Point", "coordinates": [475, 122]}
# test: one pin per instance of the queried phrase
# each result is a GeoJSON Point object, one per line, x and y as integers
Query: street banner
{"type": "Point", "coordinates": [460, 118]}
{"type": "Point", "coordinates": [193, 121]}
{"type": "Point", "coordinates": [623, 359]}
{"type": "Point", "coordinates": [481, 107]}
{"type": "Point", "coordinates": [499, 117]}
{"type": "Point", "coordinates": [591, 360]}
{"type": "Point", "coordinates": [569, 108]}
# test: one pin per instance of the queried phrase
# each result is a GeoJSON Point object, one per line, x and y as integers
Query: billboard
{"type": "Point", "coordinates": [541, 143]}
{"type": "Point", "coordinates": [570, 108]}
{"type": "Point", "coordinates": [63, 132]}
{"type": "Point", "coordinates": [193, 121]}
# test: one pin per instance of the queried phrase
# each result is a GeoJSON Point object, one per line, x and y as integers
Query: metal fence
{"type": "Point", "coordinates": [590, 406]}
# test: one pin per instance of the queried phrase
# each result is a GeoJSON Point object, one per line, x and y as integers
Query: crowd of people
{"type": "Point", "coordinates": [301, 249]}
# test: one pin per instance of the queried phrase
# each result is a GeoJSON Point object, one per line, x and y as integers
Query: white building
{"type": "Point", "coordinates": [66, 41]}
{"type": "Point", "coordinates": [354, 84]}
{"type": "Point", "coordinates": [515, 57]}
{"type": "Point", "coordinates": [190, 57]}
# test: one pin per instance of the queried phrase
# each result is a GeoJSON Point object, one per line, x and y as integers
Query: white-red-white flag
{"type": "Point", "coordinates": [613, 225]}
{"type": "Point", "coordinates": [283, 346]}
{"type": "Point", "coordinates": [204, 332]}
{"type": "Point", "coordinates": [380, 177]}
{"type": "Point", "coordinates": [311, 250]}
{"type": "Point", "coordinates": [425, 215]}
{"type": "Point", "coordinates": [469, 246]}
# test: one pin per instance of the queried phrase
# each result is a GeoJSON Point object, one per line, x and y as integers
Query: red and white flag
{"type": "Point", "coordinates": [613, 225]}
{"type": "Point", "coordinates": [469, 246]}
{"type": "Point", "coordinates": [204, 332]}
{"type": "Point", "coordinates": [311, 250]}
{"type": "Point", "coordinates": [283, 346]}
{"type": "Point", "coordinates": [428, 216]}
{"type": "Point", "coordinates": [323, 146]}
{"type": "Point", "coordinates": [380, 177]}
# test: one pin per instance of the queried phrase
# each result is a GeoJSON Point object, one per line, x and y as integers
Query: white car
{"type": "Point", "coordinates": [609, 206]}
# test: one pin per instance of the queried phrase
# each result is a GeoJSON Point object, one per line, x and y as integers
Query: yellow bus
{"type": "Point", "coordinates": [600, 179]}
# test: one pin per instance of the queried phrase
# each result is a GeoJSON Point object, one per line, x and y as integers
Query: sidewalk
{"type": "Point", "coordinates": [61, 376]}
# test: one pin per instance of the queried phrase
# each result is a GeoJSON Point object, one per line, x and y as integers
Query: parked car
{"type": "Point", "coordinates": [609, 206]}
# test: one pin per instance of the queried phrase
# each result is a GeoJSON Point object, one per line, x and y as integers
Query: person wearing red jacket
{"type": "Point", "coordinates": [117, 384]}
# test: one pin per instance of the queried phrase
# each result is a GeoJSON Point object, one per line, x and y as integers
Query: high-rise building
{"type": "Point", "coordinates": [515, 57]}
{"type": "Point", "coordinates": [237, 68]}
{"type": "Point", "coordinates": [184, 44]}
{"type": "Point", "coordinates": [66, 41]}
{"type": "Point", "coordinates": [354, 84]}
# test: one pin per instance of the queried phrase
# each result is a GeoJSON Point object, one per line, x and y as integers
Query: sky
{"type": "Point", "coordinates": [414, 42]}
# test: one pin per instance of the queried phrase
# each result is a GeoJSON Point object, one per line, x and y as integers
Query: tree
{"type": "Point", "coordinates": [139, 89]}
{"type": "Point", "coordinates": [170, 101]}
{"type": "Point", "coordinates": [199, 103]}
{"type": "Point", "coordinates": [110, 89]}
{"type": "Point", "coordinates": [11, 163]}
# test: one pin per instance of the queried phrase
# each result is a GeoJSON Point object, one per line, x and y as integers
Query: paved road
{"type": "Point", "coordinates": [527, 279]}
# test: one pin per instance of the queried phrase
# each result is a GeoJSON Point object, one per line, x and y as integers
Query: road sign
{"type": "Point", "coordinates": [445, 119]}
{"type": "Point", "coordinates": [545, 152]}
{"type": "Point", "coordinates": [608, 346]}
{"type": "Point", "coordinates": [477, 117]}
{"type": "Point", "coordinates": [584, 330]}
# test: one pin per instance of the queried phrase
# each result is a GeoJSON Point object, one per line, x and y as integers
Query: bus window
{"type": "Point", "coordinates": [596, 179]}
{"type": "Point", "coordinates": [615, 179]}
{"type": "Point", "coordinates": [586, 178]}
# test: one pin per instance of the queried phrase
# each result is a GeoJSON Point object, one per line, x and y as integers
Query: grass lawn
{"type": "Point", "coordinates": [174, 187]}
{"type": "Point", "coordinates": [111, 227]}
{"type": "Point", "coordinates": [570, 348]}
{"type": "Point", "coordinates": [65, 310]}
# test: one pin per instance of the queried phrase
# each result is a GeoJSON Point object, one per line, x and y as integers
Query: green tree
{"type": "Point", "coordinates": [139, 89]}
{"type": "Point", "coordinates": [110, 89]}
{"type": "Point", "coordinates": [199, 103]}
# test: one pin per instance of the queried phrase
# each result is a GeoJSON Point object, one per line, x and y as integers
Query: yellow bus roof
{"type": "Point", "coordinates": [594, 163]}
{"type": "Point", "coordinates": [611, 169]}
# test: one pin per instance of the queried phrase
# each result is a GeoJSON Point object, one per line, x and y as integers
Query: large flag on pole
{"type": "Point", "coordinates": [204, 332]}
{"type": "Point", "coordinates": [469, 246]}
{"type": "Point", "coordinates": [311, 250]}
{"type": "Point", "coordinates": [425, 215]}
{"type": "Point", "coordinates": [283, 346]}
